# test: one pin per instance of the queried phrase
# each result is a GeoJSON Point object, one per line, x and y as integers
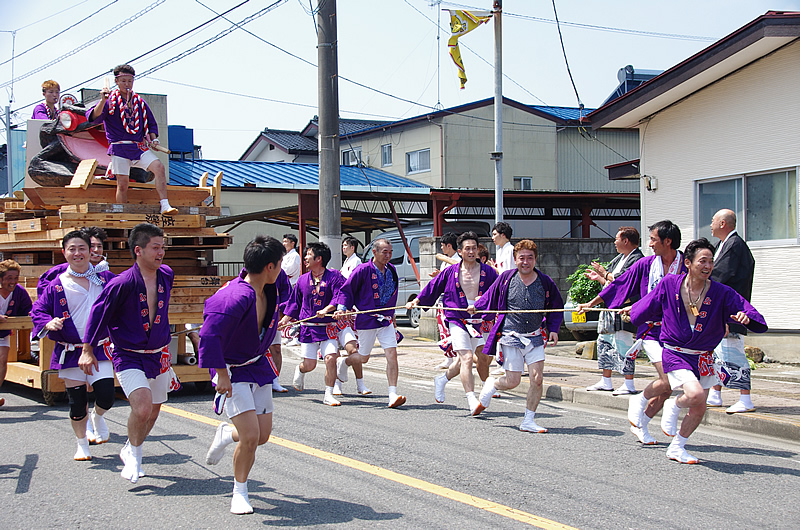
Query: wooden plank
{"type": "Point", "coordinates": [95, 207]}
{"type": "Point", "coordinates": [36, 224]}
{"type": "Point", "coordinates": [178, 195]}
{"type": "Point", "coordinates": [129, 220]}
{"type": "Point", "coordinates": [16, 323]}
{"type": "Point", "coordinates": [84, 175]}
{"type": "Point", "coordinates": [201, 281]}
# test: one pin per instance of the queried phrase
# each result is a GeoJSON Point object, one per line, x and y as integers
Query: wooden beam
{"type": "Point", "coordinates": [84, 175]}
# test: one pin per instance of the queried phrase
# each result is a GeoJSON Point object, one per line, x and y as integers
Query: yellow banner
{"type": "Point", "coordinates": [461, 23]}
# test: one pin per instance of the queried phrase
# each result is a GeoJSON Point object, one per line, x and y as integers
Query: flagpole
{"type": "Point", "coordinates": [497, 155]}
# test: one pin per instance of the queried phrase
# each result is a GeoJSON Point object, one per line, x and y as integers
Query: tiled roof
{"type": "Point", "coordinates": [292, 141]}
{"type": "Point", "coordinates": [349, 126]}
{"type": "Point", "coordinates": [284, 175]}
{"type": "Point", "coordinates": [563, 113]}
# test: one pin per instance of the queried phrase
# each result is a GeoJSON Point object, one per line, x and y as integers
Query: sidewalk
{"type": "Point", "coordinates": [775, 393]}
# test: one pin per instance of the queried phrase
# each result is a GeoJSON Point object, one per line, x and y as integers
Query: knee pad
{"type": "Point", "coordinates": [77, 402]}
{"type": "Point", "coordinates": [104, 393]}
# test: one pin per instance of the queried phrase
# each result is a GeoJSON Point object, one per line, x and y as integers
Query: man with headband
{"type": "Point", "coordinates": [130, 128]}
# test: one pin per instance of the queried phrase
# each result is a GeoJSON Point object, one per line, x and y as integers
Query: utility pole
{"type": "Point", "coordinates": [497, 155]}
{"type": "Point", "coordinates": [330, 200]}
{"type": "Point", "coordinates": [9, 155]}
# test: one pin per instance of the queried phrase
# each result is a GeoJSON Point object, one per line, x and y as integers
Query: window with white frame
{"type": "Point", "coordinates": [523, 183]}
{"type": "Point", "coordinates": [386, 155]}
{"type": "Point", "coordinates": [351, 157]}
{"type": "Point", "coordinates": [418, 161]}
{"type": "Point", "coordinates": [765, 205]}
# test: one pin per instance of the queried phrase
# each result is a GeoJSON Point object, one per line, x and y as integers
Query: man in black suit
{"type": "Point", "coordinates": [616, 335]}
{"type": "Point", "coordinates": [733, 266]}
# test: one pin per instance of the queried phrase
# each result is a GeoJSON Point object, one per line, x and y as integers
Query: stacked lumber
{"type": "Point", "coordinates": [32, 227]}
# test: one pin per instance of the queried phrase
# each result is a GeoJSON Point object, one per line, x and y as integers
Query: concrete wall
{"type": "Point", "coordinates": [733, 127]}
{"type": "Point", "coordinates": [558, 258]}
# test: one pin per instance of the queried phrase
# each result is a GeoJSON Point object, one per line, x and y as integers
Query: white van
{"type": "Point", "coordinates": [408, 287]}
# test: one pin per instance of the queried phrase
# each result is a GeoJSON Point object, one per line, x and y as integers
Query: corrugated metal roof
{"type": "Point", "coordinates": [284, 175]}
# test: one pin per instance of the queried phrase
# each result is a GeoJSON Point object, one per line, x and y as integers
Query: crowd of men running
{"type": "Point", "coordinates": [668, 305]}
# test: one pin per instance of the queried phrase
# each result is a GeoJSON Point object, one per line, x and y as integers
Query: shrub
{"type": "Point", "coordinates": [583, 289]}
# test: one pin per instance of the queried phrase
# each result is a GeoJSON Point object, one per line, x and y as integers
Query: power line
{"type": "Point", "coordinates": [51, 16]}
{"type": "Point", "coordinates": [564, 51]}
{"type": "Point", "coordinates": [86, 44]}
{"type": "Point", "coordinates": [59, 32]}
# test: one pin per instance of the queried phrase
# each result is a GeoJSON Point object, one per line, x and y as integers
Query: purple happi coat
{"type": "Point", "coordinates": [19, 306]}
{"type": "Point", "coordinates": [361, 290]}
{"type": "Point", "coordinates": [230, 334]}
{"type": "Point", "coordinates": [308, 298]}
{"type": "Point", "coordinates": [122, 309]}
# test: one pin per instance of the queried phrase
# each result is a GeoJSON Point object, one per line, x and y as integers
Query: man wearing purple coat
{"type": "Point", "coordinates": [239, 323]}
{"type": "Point", "coordinates": [694, 312]}
{"type": "Point", "coordinates": [641, 278]}
{"type": "Point", "coordinates": [461, 284]}
{"type": "Point", "coordinates": [519, 332]}
{"type": "Point", "coordinates": [14, 301]}
{"type": "Point", "coordinates": [284, 292]}
{"type": "Point", "coordinates": [312, 299]}
{"type": "Point", "coordinates": [372, 286]}
{"type": "Point", "coordinates": [133, 311]}
{"type": "Point", "coordinates": [62, 310]}
{"type": "Point", "coordinates": [130, 129]}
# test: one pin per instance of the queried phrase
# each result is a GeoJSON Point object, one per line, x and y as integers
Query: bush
{"type": "Point", "coordinates": [583, 289]}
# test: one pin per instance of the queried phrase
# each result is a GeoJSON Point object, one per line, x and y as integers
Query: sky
{"type": "Point", "coordinates": [234, 87]}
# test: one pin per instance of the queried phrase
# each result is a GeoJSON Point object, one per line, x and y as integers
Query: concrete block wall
{"type": "Point", "coordinates": [558, 258]}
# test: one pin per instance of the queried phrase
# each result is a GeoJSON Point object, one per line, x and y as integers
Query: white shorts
{"type": "Point", "coordinates": [326, 347]}
{"type": "Point", "coordinates": [653, 350]}
{"type": "Point", "coordinates": [515, 359]}
{"type": "Point", "coordinates": [461, 340]}
{"type": "Point", "coordinates": [249, 396]}
{"type": "Point", "coordinates": [105, 371]}
{"type": "Point", "coordinates": [277, 339]}
{"type": "Point", "coordinates": [385, 336]}
{"type": "Point", "coordinates": [5, 341]}
{"type": "Point", "coordinates": [133, 379]}
{"type": "Point", "coordinates": [346, 335]}
{"type": "Point", "coordinates": [122, 166]}
{"type": "Point", "coordinates": [678, 377]}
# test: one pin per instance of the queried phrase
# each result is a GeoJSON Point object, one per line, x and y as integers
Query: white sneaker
{"type": "Point", "coordinates": [276, 387]}
{"type": "Point", "coordinates": [126, 454]}
{"type": "Point", "coordinates": [363, 390]}
{"type": "Point", "coordinates": [679, 454]}
{"type": "Point", "coordinates": [669, 417]}
{"type": "Point", "coordinates": [218, 445]}
{"type": "Point", "coordinates": [330, 400]}
{"type": "Point", "coordinates": [439, 382]}
{"type": "Point", "coordinates": [487, 392]}
{"type": "Point", "coordinates": [100, 428]}
{"type": "Point", "coordinates": [739, 406]}
{"type": "Point", "coordinates": [299, 379]}
{"type": "Point", "coordinates": [240, 504]}
{"type": "Point", "coordinates": [341, 369]}
{"type": "Point", "coordinates": [475, 406]}
{"type": "Point", "coordinates": [714, 399]}
{"type": "Point", "coordinates": [636, 406]}
{"type": "Point", "coordinates": [643, 435]}
{"type": "Point", "coordinates": [444, 365]}
{"type": "Point", "coordinates": [82, 454]}
{"type": "Point", "coordinates": [337, 388]}
{"type": "Point", "coordinates": [599, 386]}
{"type": "Point", "coordinates": [528, 425]}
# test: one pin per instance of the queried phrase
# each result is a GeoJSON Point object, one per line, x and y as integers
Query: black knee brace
{"type": "Point", "coordinates": [77, 402]}
{"type": "Point", "coordinates": [104, 393]}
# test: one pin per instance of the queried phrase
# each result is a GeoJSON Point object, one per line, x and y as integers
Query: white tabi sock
{"type": "Point", "coordinates": [745, 399]}
{"type": "Point", "coordinates": [629, 385]}
{"type": "Point", "coordinates": [360, 382]}
{"type": "Point", "coordinates": [165, 204]}
{"type": "Point", "coordinates": [679, 440]}
{"type": "Point", "coordinates": [529, 414]}
{"type": "Point", "coordinates": [645, 420]}
{"type": "Point", "coordinates": [470, 394]}
{"type": "Point", "coordinates": [392, 391]}
{"type": "Point", "coordinates": [329, 391]}
{"type": "Point", "coordinates": [607, 382]}
{"type": "Point", "coordinates": [239, 487]}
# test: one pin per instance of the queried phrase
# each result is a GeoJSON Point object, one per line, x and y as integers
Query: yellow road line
{"type": "Point", "coordinates": [406, 480]}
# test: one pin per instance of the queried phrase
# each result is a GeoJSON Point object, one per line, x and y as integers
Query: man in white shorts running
{"type": "Point", "coordinates": [239, 323]}
{"type": "Point", "coordinates": [520, 334]}
{"type": "Point", "coordinates": [133, 311]}
{"type": "Point", "coordinates": [460, 285]}
{"type": "Point", "coordinates": [373, 286]}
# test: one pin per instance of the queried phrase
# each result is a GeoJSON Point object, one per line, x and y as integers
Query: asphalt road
{"type": "Point", "coordinates": [363, 465]}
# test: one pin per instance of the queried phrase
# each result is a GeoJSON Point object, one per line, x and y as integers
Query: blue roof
{"type": "Point", "coordinates": [284, 175]}
{"type": "Point", "coordinates": [562, 113]}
